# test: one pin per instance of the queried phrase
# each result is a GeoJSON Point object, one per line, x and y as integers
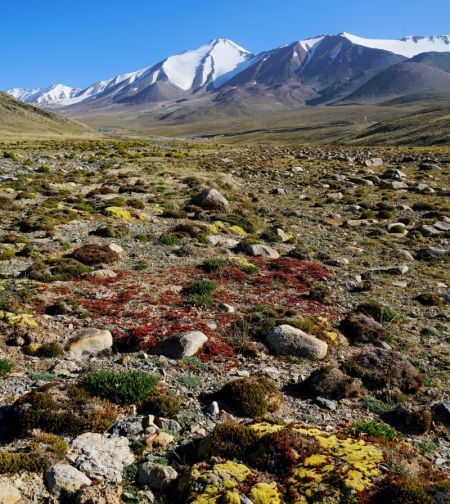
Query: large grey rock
{"type": "Point", "coordinates": [156, 476]}
{"type": "Point", "coordinates": [64, 479]}
{"type": "Point", "coordinates": [288, 340]}
{"type": "Point", "coordinates": [432, 253]}
{"type": "Point", "coordinates": [210, 199]}
{"type": "Point", "coordinates": [9, 494]}
{"type": "Point", "coordinates": [180, 346]}
{"type": "Point", "coordinates": [261, 250]}
{"type": "Point", "coordinates": [102, 457]}
{"type": "Point", "coordinates": [88, 341]}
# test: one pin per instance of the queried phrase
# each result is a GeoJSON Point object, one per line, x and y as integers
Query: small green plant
{"type": "Point", "coordinates": [426, 446]}
{"type": "Point", "coordinates": [168, 240]}
{"type": "Point", "coordinates": [202, 287]}
{"type": "Point", "coordinates": [192, 381]}
{"type": "Point", "coordinates": [213, 265]}
{"type": "Point", "coordinates": [377, 430]}
{"type": "Point", "coordinates": [6, 367]}
{"type": "Point", "coordinates": [376, 406]}
{"type": "Point", "coordinates": [126, 387]}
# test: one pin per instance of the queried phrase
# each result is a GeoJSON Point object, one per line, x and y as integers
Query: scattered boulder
{"type": "Point", "coordinates": [441, 413]}
{"type": "Point", "coordinates": [180, 346]}
{"type": "Point", "coordinates": [381, 368]}
{"type": "Point", "coordinates": [408, 420]}
{"type": "Point", "coordinates": [102, 457]}
{"type": "Point", "coordinates": [360, 328]}
{"type": "Point", "coordinates": [288, 340]}
{"type": "Point", "coordinates": [156, 476]}
{"type": "Point", "coordinates": [261, 250]}
{"type": "Point", "coordinates": [210, 199]}
{"type": "Point", "coordinates": [64, 480]}
{"type": "Point", "coordinates": [432, 253]}
{"type": "Point", "coordinates": [88, 341]}
{"type": "Point", "coordinates": [331, 383]}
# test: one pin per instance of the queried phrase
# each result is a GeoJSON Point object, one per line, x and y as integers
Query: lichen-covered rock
{"type": "Point", "coordinates": [9, 493]}
{"type": "Point", "coordinates": [88, 341]}
{"type": "Point", "coordinates": [100, 494]}
{"type": "Point", "coordinates": [156, 476]}
{"type": "Point", "coordinates": [102, 457]}
{"type": "Point", "coordinates": [64, 479]}
{"type": "Point", "coordinates": [288, 340]}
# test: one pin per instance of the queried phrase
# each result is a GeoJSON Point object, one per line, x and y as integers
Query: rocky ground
{"type": "Point", "coordinates": [213, 324]}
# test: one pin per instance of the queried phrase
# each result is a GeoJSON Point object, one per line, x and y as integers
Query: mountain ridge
{"type": "Point", "coordinates": [319, 70]}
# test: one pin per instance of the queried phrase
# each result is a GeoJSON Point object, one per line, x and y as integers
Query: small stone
{"type": "Point", "coordinates": [227, 308]}
{"type": "Point", "coordinates": [115, 248]}
{"type": "Point", "coordinates": [88, 341]}
{"type": "Point", "coordinates": [103, 274]}
{"type": "Point", "coordinates": [373, 162]}
{"type": "Point", "coordinates": [65, 368]}
{"type": "Point", "coordinates": [326, 403]}
{"type": "Point", "coordinates": [261, 250]}
{"type": "Point", "coordinates": [156, 476]}
{"type": "Point", "coordinates": [64, 479]}
{"type": "Point", "coordinates": [213, 408]}
{"type": "Point", "coordinates": [168, 424]}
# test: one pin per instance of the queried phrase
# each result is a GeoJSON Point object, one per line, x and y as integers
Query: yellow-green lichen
{"type": "Point", "coordinates": [117, 213]}
{"type": "Point", "coordinates": [21, 319]}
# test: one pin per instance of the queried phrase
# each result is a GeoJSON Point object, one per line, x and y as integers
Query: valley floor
{"type": "Point", "coordinates": [282, 340]}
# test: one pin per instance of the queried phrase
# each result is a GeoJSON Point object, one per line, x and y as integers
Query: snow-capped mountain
{"type": "Point", "coordinates": [317, 70]}
{"type": "Point", "coordinates": [51, 95]}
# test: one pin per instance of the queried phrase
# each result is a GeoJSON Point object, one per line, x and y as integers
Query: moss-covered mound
{"type": "Point", "coordinates": [93, 254]}
{"type": "Point", "coordinates": [63, 409]}
{"type": "Point", "coordinates": [251, 397]}
{"type": "Point", "coordinates": [56, 269]}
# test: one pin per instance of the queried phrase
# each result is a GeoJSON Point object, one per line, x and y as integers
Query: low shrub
{"type": "Point", "coordinates": [6, 367]}
{"type": "Point", "coordinates": [127, 387]}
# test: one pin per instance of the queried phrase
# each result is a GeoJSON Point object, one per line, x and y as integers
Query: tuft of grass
{"type": "Point", "coordinates": [213, 265]}
{"type": "Point", "coordinates": [376, 406]}
{"type": "Point", "coordinates": [127, 387]}
{"type": "Point", "coordinates": [202, 287]}
{"type": "Point", "coordinates": [6, 367]}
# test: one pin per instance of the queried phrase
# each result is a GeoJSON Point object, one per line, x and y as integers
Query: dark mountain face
{"type": "Point", "coordinates": [336, 67]}
{"type": "Point", "coordinates": [273, 67]}
{"type": "Point", "coordinates": [440, 61]}
{"type": "Point", "coordinates": [402, 79]}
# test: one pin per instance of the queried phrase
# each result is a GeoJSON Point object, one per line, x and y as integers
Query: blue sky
{"type": "Point", "coordinates": [79, 42]}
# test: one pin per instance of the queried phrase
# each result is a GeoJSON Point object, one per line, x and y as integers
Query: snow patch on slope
{"type": "Point", "coordinates": [408, 47]}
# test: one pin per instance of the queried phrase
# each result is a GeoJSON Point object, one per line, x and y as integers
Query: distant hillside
{"type": "Point", "coordinates": [19, 117]}
{"type": "Point", "coordinates": [440, 61]}
{"type": "Point", "coordinates": [402, 79]}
